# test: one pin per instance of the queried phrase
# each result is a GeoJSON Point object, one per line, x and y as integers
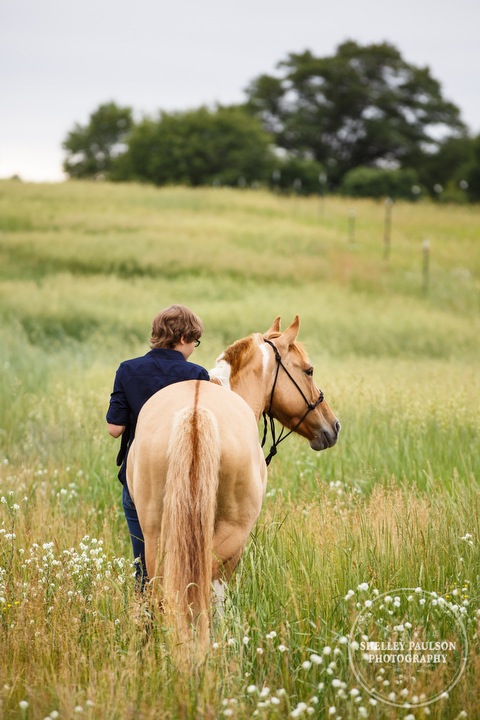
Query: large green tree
{"type": "Point", "coordinates": [363, 106]}
{"type": "Point", "coordinates": [198, 147]}
{"type": "Point", "coordinates": [92, 149]}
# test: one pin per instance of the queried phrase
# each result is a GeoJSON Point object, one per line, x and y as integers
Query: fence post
{"type": "Point", "coordinates": [426, 265]}
{"type": "Point", "coordinates": [388, 228]}
{"type": "Point", "coordinates": [322, 179]}
{"type": "Point", "coordinates": [351, 227]}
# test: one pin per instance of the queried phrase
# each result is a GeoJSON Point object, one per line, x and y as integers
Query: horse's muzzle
{"type": "Point", "coordinates": [326, 438]}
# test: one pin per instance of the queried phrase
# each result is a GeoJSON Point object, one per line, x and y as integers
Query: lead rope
{"type": "Point", "coordinates": [310, 406]}
{"type": "Point", "coordinates": [273, 449]}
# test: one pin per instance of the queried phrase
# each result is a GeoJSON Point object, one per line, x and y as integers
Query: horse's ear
{"type": "Point", "coordinates": [275, 327]}
{"type": "Point", "coordinates": [289, 335]}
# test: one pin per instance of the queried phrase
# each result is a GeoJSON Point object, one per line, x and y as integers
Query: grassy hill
{"type": "Point", "coordinates": [83, 269]}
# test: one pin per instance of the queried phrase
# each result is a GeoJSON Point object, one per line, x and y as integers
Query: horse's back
{"type": "Point", "coordinates": [235, 418]}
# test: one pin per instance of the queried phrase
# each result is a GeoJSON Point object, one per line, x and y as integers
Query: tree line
{"type": "Point", "coordinates": [362, 122]}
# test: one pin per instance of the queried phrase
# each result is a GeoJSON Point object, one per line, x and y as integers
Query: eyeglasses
{"type": "Point", "coordinates": [197, 343]}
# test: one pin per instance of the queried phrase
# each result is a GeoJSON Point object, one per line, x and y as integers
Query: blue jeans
{"type": "Point", "coordinates": [136, 536]}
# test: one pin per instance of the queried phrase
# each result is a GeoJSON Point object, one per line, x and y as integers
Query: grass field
{"type": "Point", "coordinates": [84, 267]}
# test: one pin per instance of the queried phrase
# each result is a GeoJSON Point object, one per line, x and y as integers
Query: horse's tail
{"type": "Point", "coordinates": [186, 541]}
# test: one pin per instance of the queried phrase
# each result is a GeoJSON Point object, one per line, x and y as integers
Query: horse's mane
{"type": "Point", "coordinates": [239, 354]}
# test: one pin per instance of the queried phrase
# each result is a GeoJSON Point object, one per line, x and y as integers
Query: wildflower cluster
{"type": "Point", "coordinates": [84, 568]}
{"type": "Point", "coordinates": [326, 670]}
{"type": "Point", "coordinates": [320, 673]}
{"type": "Point", "coordinates": [11, 503]}
{"type": "Point", "coordinates": [266, 700]}
{"type": "Point", "coordinates": [468, 538]}
{"type": "Point", "coordinates": [58, 577]}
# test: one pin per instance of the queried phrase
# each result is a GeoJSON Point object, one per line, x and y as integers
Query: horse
{"type": "Point", "coordinates": [197, 474]}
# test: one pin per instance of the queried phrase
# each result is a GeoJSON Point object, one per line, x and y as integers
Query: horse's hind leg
{"type": "Point", "coordinates": [228, 545]}
{"type": "Point", "coordinates": [151, 560]}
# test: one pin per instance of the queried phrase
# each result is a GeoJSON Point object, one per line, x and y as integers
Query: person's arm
{"type": "Point", "coordinates": [115, 430]}
{"type": "Point", "coordinates": [118, 414]}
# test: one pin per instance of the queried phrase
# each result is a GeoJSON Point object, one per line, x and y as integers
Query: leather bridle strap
{"type": "Point", "coordinates": [310, 406]}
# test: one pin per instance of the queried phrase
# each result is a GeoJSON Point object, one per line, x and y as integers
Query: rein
{"type": "Point", "coordinates": [310, 406]}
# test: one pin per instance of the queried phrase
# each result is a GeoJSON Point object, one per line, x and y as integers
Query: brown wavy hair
{"type": "Point", "coordinates": [173, 323]}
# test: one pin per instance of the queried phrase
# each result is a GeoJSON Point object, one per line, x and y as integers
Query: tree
{"type": "Point", "coordinates": [92, 149]}
{"type": "Point", "coordinates": [225, 146]}
{"type": "Point", "coordinates": [446, 163]}
{"type": "Point", "coordinates": [364, 106]}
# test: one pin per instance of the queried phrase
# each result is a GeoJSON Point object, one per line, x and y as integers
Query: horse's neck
{"type": "Point", "coordinates": [243, 367]}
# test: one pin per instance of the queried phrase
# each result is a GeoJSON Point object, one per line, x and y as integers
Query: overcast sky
{"type": "Point", "coordinates": [60, 59]}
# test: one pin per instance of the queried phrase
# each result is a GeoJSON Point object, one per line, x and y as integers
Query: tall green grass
{"type": "Point", "coordinates": [84, 267]}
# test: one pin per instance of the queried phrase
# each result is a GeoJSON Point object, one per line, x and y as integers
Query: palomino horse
{"type": "Point", "coordinates": [197, 474]}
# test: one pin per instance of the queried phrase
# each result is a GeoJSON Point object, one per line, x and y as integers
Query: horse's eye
{"type": "Point", "coordinates": [309, 371]}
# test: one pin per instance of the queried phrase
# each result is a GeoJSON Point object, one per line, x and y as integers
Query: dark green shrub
{"type": "Point", "coordinates": [300, 175]}
{"type": "Point", "coordinates": [378, 183]}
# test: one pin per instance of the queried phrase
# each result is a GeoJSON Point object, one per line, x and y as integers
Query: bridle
{"type": "Point", "coordinates": [310, 406]}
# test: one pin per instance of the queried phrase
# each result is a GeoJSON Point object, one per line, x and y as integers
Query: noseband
{"type": "Point", "coordinates": [310, 406]}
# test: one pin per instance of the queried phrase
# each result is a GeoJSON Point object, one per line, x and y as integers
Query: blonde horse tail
{"type": "Point", "coordinates": [186, 540]}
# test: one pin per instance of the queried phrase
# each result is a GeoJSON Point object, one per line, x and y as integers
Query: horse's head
{"type": "Point", "coordinates": [293, 396]}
